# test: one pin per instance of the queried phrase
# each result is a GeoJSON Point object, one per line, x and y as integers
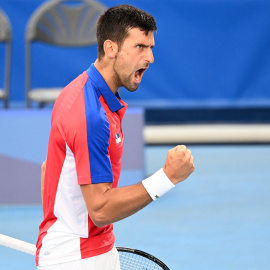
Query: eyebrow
{"type": "Point", "coordinates": [145, 46]}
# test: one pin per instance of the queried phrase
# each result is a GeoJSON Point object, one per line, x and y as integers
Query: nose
{"type": "Point", "coordinates": [150, 56]}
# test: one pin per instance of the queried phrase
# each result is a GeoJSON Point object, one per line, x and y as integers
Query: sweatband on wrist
{"type": "Point", "coordinates": [157, 184]}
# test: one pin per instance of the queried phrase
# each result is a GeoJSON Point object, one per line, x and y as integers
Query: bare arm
{"type": "Point", "coordinates": [106, 205]}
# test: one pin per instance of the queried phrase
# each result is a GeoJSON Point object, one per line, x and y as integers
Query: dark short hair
{"type": "Point", "coordinates": [115, 23]}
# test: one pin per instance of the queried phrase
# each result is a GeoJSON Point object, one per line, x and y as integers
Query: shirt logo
{"type": "Point", "coordinates": [117, 138]}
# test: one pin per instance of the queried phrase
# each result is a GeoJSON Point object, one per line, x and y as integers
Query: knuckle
{"type": "Point", "coordinates": [183, 147]}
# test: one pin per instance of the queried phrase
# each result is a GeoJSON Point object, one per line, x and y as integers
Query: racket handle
{"type": "Point", "coordinates": [17, 244]}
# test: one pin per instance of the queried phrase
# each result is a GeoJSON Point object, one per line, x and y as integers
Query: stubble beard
{"type": "Point", "coordinates": [125, 81]}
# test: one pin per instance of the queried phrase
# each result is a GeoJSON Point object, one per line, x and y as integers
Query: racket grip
{"type": "Point", "coordinates": [17, 244]}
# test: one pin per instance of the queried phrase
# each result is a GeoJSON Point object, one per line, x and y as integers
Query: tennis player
{"type": "Point", "coordinates": [81, 199]}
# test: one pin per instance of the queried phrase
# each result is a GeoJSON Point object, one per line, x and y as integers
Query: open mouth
{"type": "Point", "coordinates": [139, 74]}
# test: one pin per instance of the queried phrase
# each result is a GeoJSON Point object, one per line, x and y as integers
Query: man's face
{"type": "Point", "coordinates": [134, 58]}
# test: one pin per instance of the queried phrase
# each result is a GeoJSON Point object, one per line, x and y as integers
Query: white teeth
{"type": "Point", "coordinates": [137, 75]}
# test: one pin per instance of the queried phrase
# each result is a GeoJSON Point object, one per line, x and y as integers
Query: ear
{"type": "Point", "coordinates": [110, 48]}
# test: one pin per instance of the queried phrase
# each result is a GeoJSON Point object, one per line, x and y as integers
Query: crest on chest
{"type": "Point", "coordinates": [117, 138]}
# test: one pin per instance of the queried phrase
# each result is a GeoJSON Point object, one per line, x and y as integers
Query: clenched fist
{"type": "Point", "coordinates": [179, 164]}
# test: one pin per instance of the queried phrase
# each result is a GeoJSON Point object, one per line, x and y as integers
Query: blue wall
{"type": "Point", "coordinates": [209, 53]}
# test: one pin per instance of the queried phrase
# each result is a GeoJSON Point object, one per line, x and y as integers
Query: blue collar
{"type": "Point", "coordinates": [99, 82]}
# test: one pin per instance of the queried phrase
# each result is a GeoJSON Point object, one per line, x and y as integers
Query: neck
{"type": "Point", "coordinates": [105, 68]}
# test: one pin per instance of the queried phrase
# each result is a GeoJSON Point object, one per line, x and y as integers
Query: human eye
{"type": "Point", "coordinates": [139, 46]}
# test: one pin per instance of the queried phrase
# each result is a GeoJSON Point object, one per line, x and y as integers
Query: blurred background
{"type": "Point", "coordinates": [208, 88]}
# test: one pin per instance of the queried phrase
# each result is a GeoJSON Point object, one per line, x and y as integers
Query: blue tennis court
{"type": "Point", "coordinates": [218, 219]}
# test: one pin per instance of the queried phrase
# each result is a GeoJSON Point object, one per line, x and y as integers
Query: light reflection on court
{"type": "Point", "coordinates": [218, 219]}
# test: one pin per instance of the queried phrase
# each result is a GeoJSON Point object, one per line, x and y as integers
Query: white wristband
{"type": "Point", "coordinates": [157, 184]}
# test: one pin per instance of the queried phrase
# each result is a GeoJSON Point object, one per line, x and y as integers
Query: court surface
{"type": "Point", "coordinates": [218, 219]}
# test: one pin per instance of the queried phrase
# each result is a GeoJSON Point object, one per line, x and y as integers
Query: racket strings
{"type": "Point", "coordinates": [131, 261]}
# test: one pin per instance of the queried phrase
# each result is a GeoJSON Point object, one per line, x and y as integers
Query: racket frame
{"type": "Point", "coordinates": [143, 254]}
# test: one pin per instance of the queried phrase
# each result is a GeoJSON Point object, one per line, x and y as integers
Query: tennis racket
{"type": "Point", "coordinates": [134, 259]}
{"type": "Point", "coordinates": [130, 259]}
